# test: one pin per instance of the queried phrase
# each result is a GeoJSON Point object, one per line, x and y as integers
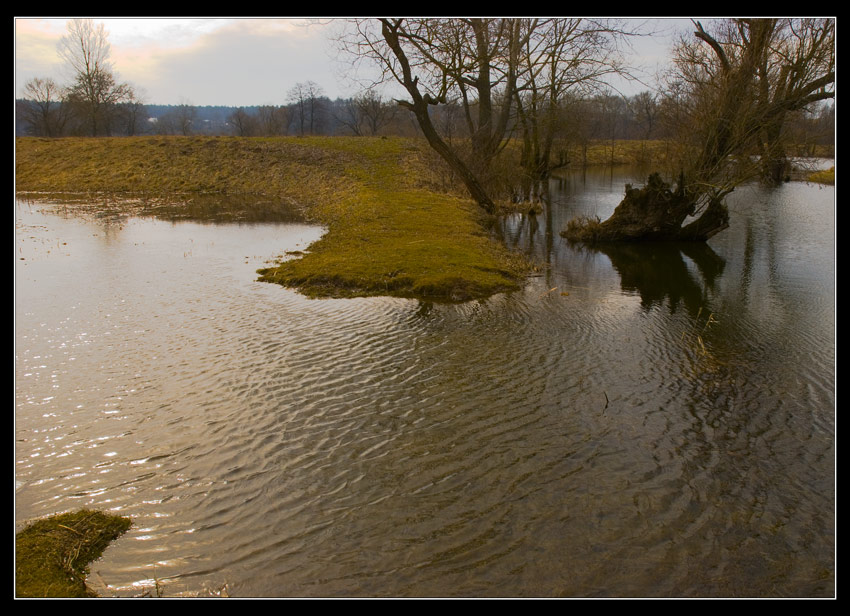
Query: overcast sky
{"type": "Point", "coordinates": [217, 61]}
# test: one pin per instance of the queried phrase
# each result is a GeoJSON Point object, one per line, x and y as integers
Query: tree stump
{"type": "Point", "coordinates": [655, 212]}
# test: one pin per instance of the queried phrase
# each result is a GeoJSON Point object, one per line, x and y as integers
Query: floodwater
{"type": "Point", "coordinates": [640, 421]}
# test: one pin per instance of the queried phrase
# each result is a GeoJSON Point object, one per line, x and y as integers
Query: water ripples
{"type": "Point", "coordinates": [577, 438]}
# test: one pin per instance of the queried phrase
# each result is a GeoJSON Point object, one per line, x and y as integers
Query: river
{"type": "Point", "coordinates": [645, 421]}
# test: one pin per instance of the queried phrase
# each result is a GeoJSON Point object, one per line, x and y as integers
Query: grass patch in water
{"type": "Point", "coordinates": [824, 176]}
{"type": "Point", "coordinates": [388, 234]}
{"type": "Point", "coordinates": [391, 237]}
{"type": "Point", "coordinates": [52, 555]}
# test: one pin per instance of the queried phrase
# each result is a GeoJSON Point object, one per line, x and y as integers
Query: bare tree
{"type": "Point", "coordinates": [178, 120]}
{"type": "Point", "coordinates": [809, 130]}
{"type": "Point", "coordinates": [242, 123]}
{"type": "Point", "coordinates": [472, 62]}
{"type": "Point", "coordinates": [366, 113]}
{"type": "Point", "coordinates": [768, 69]}
{"type": "Point", "coordinates": [272, 119]}
{"type": "Point", "coordinates": [613, 111]}
{"type": "Point", "coordinates": [562, 59]}
{"type": "Point", "coordinates": [305, 96]}
{"type": "Point", "coordinates": [45, 112]}
{"type": "Point", "coordinates": [797, 73]}
{"type": "Point", "coordinates": [733, 89]}
{"type": "Point", "coordinates": [502, 74]}
{"type": "Point", "coordinates": [95, 90]}
{"type": "Point", "coordinates": [185, 115]}
{"type": "Point", "coordinates": [644, 106]}
{"type": "Point", "coordinates": [131, 114]}
{"type": "Point", "coordinates": [348, 115]}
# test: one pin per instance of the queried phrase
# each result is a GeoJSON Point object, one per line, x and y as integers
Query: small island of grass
{"type": "Point", "coordinates": [52, 555]}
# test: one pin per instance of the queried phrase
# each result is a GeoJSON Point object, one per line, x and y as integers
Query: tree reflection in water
{"type": "Point", "coordinates": [658, 270]}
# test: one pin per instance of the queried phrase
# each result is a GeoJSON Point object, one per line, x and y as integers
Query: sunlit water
{"type": "Point", "coordinates": [645, 421]}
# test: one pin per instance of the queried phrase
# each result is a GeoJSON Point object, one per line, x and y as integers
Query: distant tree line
{"type": "Point", "coordinates": [46, 111]}
{"type": "Point", "coordinates": [602, 117]}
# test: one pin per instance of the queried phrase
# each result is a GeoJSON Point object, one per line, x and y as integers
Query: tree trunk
{"type": "Point", "coordinates": [469, 179]}
{"type": "Point", "coordinates": [774, 161]}
{"type": "Point", "coordinates": [419, 107]}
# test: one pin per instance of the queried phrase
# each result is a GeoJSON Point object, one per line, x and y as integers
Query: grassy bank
{"type": "Point", "coordinates": [52, 555]}
{"type": "Point", "coordinates": [620, 152]}
{"type": "Point", "coordinates": [824, 176]}
{"type": "Point", "coordinates": [387, 233]}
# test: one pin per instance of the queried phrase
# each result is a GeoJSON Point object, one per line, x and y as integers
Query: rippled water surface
{"type": "Point", "coordinates": [642, 421]}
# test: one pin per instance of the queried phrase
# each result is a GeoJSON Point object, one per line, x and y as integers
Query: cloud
{"type": "Point", "coordinates": [217, 61]}
{"type": "Point", "coordinates": [35, 47]}
{"type": "Point", "coordinates": [206, 61]}
{"type": "Point", "coordinates": [249, 62]}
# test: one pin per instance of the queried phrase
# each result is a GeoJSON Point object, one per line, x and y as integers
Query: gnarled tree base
{"type": "Point", "coordinates": [652, 213]}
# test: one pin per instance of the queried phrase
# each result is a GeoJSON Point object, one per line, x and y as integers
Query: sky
{"type": "Point", "coordinates": [221, 61]}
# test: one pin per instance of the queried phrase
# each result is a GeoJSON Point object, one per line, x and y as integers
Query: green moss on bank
{"type": "Point", "coordinates": [52, 555]}
{"type": "Point", "coordinates": [386, 233]}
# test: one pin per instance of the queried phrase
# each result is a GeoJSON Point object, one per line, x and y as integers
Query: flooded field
{"type": "Point", "coordinates": [651, 421]}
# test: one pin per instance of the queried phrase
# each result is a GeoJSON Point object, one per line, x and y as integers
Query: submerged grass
{"type": "Point", "coordinates": [52, 555]}
{"type": "Point", "coordinates": [387, 233]}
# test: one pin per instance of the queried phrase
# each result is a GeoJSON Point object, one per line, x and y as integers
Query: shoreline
{"type": "Point", "coordinates": [388, 234]}
{"type": "Point", "coordinates": [392, 227]}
